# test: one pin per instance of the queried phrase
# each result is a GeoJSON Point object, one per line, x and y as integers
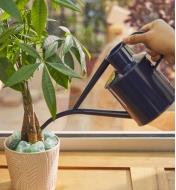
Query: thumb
{"type": "Point", "coordinates": [135, 39]}
{"type": "Point", "coordinates": [147, 27]}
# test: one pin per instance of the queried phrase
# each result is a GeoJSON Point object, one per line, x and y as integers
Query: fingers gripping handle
{"type": "Point", "coordinates": [161, 56]}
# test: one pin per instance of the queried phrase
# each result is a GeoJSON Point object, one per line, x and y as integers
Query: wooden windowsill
{"type": "Point", "coordinates": [109, 171]}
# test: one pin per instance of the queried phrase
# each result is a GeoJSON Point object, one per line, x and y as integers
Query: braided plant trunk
{"type": "Point", "coordinates": [31, 131]}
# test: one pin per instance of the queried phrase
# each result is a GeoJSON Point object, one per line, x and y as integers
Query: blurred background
{"type": "Point", "coordinates": [101, 25]}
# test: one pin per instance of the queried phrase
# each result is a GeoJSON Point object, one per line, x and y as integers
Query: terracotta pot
{"type": "Point", "coordinates": [33, 171]}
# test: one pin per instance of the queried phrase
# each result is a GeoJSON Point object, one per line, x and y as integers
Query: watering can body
{"type": "Point", "coordinates": [140, 88]}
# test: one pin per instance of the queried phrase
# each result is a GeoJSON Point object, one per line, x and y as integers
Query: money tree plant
{"type": "Point", "coordinates": [26, 47]}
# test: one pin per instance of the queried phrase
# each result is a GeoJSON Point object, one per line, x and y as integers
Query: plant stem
{"type": "Point", "coordinates": [31, 131]}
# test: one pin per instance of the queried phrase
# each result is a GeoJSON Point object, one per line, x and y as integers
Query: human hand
{"type": "Point", "coordinates": [158, 37]}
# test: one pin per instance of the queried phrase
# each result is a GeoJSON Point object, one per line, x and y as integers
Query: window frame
{"type": "Point", "coordinates": [111, 141]}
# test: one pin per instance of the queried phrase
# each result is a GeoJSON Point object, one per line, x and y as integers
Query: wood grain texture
{"type": "Point", "coordinates": [144, 178]}
{"type": "Point", "coordinates": [100, 180]}
{"type": "Point", "coordinates": [91, 180]}
{"type": "Point", "coordinates": [118, 159]}
{"type": "Point", "coordinates": [171, 178]}
{"type": "Point", "coordinates": [163, 182]}
{"type": "Point", "coordinates": [109, 171]}
{"type": "Point", "coordinates": [113, 159]}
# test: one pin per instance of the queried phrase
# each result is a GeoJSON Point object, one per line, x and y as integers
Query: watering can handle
{"type": "Point", "coordinates": [161, 56]}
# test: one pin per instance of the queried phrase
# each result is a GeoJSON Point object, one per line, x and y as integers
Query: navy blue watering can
{"type": "Point", "coordinates": [137, 84]}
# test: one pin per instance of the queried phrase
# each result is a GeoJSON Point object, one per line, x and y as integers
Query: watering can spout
{"type": "Point", "coordinates": [92, 82]}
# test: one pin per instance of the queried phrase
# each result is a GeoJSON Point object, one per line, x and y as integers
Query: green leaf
{"type": "Point", "coordinates": [50, 40]}
{"type": "Point", "coordinates": [51, 20]}
{"type": "Point", "coordinates": [54, 58]}
{"type": "Point", "coordinates": [81, 2]}
{"type": "Point", "coordinates": [39, 15]}
{"type": "Point", "coordinates": [51, 50]}
{"type": "Point", "coordinates": [10, 7]}
{"type": "Point", "coordinates": [29, 50]}
{"type": "Point", "coordinates": [68, 60]}
{"type": "Point", "coordinates": [86, 51]}
{"type": "Point", "coordinates": [75, 52]}
{"type": "Point", "coordinates": [4, 16]}
{"type": "Point", "coordinates": [21, 3]}
{"type": "Point", "coordinates": [3, 50]}
{"type": "Point", "coordinates": [59, 78]}
{"type": "Point", "coordinates": [80, 55]}
{"type": "Point", "coordinates": [65, 29]}
{"type": "Point", "coordinates": [60, 42]}
{"type": "Point", "coordinates": [49, 92]}
{"type": "Point", "coordinates": [18, 28]}
{"type": "Point", "coordinates": [6, 70]}
{"type": "Point", "coordinates": [27, 59]}
{"type": "Point", "coordinates": [64, 69]}
{"type": "Point", "coordinates": [24, 73]}
{"type": "Point", "coordinates": [5, 36]}
{"type": "Point", "coordinates": [68, 4]}
{"type": "Point", "coordinates": [68, 43]}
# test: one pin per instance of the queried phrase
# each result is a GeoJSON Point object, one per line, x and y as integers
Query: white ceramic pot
{"type": "Point", "coordinates": [33, 171]}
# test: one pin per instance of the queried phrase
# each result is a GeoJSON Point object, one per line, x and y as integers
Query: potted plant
{"type": "Point", "coordinates": [25, 47]}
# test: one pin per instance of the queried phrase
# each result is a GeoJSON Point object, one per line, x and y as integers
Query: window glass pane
{"type": "Point", "coordinates": [11, 110]}
{"type": "Point", "coordinates": [102, 25]}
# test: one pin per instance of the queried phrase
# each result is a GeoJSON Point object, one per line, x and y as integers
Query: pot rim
{"type": "Point", "coordinates": [32, 153]}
